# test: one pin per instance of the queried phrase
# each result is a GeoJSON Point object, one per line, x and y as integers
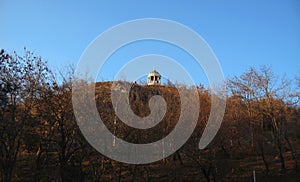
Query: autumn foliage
{"type": "Point", "coordinates": [40, 140]}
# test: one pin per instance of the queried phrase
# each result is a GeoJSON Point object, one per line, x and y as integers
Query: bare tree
{"type": "Point", "coordinates": [22, 81]}
{"type": "Point", "coordinates": [64, 136]}
{"type": "Point", "coordinates": [265, 97]}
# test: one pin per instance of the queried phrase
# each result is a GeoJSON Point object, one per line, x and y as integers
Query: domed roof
{"type": "Point", "coordinates": [154, 73]}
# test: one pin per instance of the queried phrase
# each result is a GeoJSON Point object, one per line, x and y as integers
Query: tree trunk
{"type": "Point", "coordinates": [263, 158]}
{"type": "Point", "coordinates": [134, 172]}
{"type": "Point", "coordinates": [120, 172]}
{"type": "Point", "coordinates": [279, 146]}
{"type": "Point", "coordinates": [292, 150]}
{"type": "Point", "coordinates": [206, 174]}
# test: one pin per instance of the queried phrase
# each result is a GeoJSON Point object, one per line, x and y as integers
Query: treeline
{"type": "Point", "coordinates": [40, 140]}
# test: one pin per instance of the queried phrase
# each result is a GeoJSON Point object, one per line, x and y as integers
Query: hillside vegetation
{"type": "Point", "coordinates": [40, 140]}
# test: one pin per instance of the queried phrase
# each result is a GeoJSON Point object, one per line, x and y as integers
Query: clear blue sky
{"type": "Point", "coordinates": [241, 33]}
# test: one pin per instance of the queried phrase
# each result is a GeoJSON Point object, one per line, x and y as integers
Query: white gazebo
{"type": "Point", "coordinates": [154, 78]}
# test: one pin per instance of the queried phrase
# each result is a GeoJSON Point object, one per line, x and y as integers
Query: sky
{"type": "Point", "coordinates": [241, 33]}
